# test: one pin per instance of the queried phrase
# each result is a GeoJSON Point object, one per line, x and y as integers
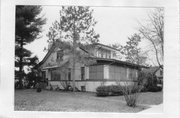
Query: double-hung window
{"type": "Point", "coordinates": [60, 55]}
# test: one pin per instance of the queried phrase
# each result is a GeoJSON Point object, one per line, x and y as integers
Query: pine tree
{"type": "Point", "coordinates": [76, 26]}
{"type": "Point", "coordinates": [28, 26]}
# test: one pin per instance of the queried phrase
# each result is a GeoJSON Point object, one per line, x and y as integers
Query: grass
{"type": "Point", "coordinates": [30, 100]}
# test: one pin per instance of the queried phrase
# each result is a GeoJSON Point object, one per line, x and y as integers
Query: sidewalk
{"type": "Point", "coordinates": [154, 109]}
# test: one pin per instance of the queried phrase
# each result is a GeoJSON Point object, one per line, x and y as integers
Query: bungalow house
{"type": "Point", "coordinates": [107, 68]}
{"type": "Point", "coordinates": [157, 71]}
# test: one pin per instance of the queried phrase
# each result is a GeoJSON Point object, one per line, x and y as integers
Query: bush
{"type": "Point", "coordinates": [155, 89]}
{"type": "Point", "coordinates": [111, 90]}
{"type": "Point", "coordinates": [144, 89]}
{"type": "Point", "coordinates": [149, 82]}
{"type": "Point", "coordinates": [102, 91]}
{"type": "Point", "coordinates": [38, 90]}
{"type": "Point", "coordinates": [131, 93]}
{"type": "Point", "coordinates": [38, 87]}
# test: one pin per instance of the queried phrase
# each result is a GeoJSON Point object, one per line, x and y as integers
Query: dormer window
{"type": "Point", "coordinates": [108, 55]}
{"type": "Point", "coordinates": [60, 55]}
{"type": "Point", "coordinates": [114, 54]}
{"type": "Point", "coordinates": [99, 53]}
{"type": "Point", "coordinates": [161, 72]}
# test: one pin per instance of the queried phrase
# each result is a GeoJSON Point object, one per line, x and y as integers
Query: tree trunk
{"type": "Point", "coordinates": [74, 58]}
{"type": "Point", "coordinates": [73, 84]}
{"type": "Point", "coordinates": [21, 65]}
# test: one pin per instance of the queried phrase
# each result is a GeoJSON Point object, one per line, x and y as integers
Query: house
{"type": "Point", "coordinates": [107, 68]}
{"type": "Point", "coordinates": [157, 71]}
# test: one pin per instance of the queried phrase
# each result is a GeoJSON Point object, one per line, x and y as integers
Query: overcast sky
{"type": "Point", "coordinates": [114, 25]}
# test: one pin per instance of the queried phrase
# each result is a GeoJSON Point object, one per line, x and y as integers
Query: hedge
{"type": "Point", "coordinates": [111, 90]}
{"type": "Point", "coordinates": [115, 90]}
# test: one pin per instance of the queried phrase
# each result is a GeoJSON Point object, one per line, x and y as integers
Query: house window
{"type": "Point", "coordinates": [82, 73]}
{"type": "Point", "coordinates": [55, 75]}
{"type": "Point", "coordinates": [161, 72]}
{"type": "Point", "coordinates": [97, 53]}
{"type": "Point", "coordinates": [101, 53]}
{"type": "Point", "coordinates": [104, 54]}
{"type": "Point", "coordinates": [69, 73]}
{"type": "Point", "coordinates": [114, 54]}
{"type": "Point", "coordinates": [60, 55]}
{"type": "Point", "coordinates": [108, 55]}
{"type": "Point", "coordinates": [132, 74]}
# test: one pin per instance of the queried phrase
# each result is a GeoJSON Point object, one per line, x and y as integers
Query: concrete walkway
{"type": "Point", "coordinates": [154, 109]}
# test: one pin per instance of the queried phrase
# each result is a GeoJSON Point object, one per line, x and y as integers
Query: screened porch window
{"type": "Point", "coordinates": [132, 74]}
{"type": "Point", "coordinates": [69, 73]}
{"type": "Point", "coordinates": [55, 75]}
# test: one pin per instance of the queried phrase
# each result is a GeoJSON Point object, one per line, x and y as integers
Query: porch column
{"type": "Point", "coordinates": [86, 72]}
{"type": "Point", "coordinates": [48, 74]}
{"type": "Point", "coordinates": [106, 71]}
{"type": "Point", "coordinates": [136, 74]}
{"type": "Point", "coordinates": [127, 73]}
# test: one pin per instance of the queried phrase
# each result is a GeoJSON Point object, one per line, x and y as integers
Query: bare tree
{"type": "Point", "coordinates": [154, 32]}
{"type": "Point", "coordinates": [131, 52]}
{"type": "Point", "coordinates": [130, 90]}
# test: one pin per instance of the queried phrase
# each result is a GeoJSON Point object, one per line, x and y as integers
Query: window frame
{"type": "Point", "coordinates": [82, 73]}
{"type": "Point", "coordinates": [59, 55]}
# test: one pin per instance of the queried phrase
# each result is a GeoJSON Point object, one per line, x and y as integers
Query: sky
{"type": "Point", "coordinates": [114, 25]}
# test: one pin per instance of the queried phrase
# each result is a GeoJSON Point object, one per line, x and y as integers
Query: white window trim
{"type": "Point", "coordinates": [127, 74]}
{"type": "Point", "coordinates": [106, 71]}
{"type": "Point", "coordinates": [136, 73]}
{"type": "Point", "coordinates": [86, 72]}
{"type": "Point", "coordinates": [97, 53]}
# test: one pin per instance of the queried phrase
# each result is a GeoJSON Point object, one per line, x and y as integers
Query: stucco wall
{"type": "Point", "coordinates": [89, 85]}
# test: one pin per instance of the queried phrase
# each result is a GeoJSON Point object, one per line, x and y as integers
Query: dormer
{"type": "Point", "coordinates": [104, 51]}
{"type": "Point", "coordinates": [59, 54]}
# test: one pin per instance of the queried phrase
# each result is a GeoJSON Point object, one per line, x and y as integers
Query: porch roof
{"type": "Point", "coordinates": [102, 61]}
{"type": "Point", "coordinates": [57, 66]}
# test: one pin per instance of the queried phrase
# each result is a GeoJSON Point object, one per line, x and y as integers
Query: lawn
{"type": "Point", "coordinates": [30, 100]}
